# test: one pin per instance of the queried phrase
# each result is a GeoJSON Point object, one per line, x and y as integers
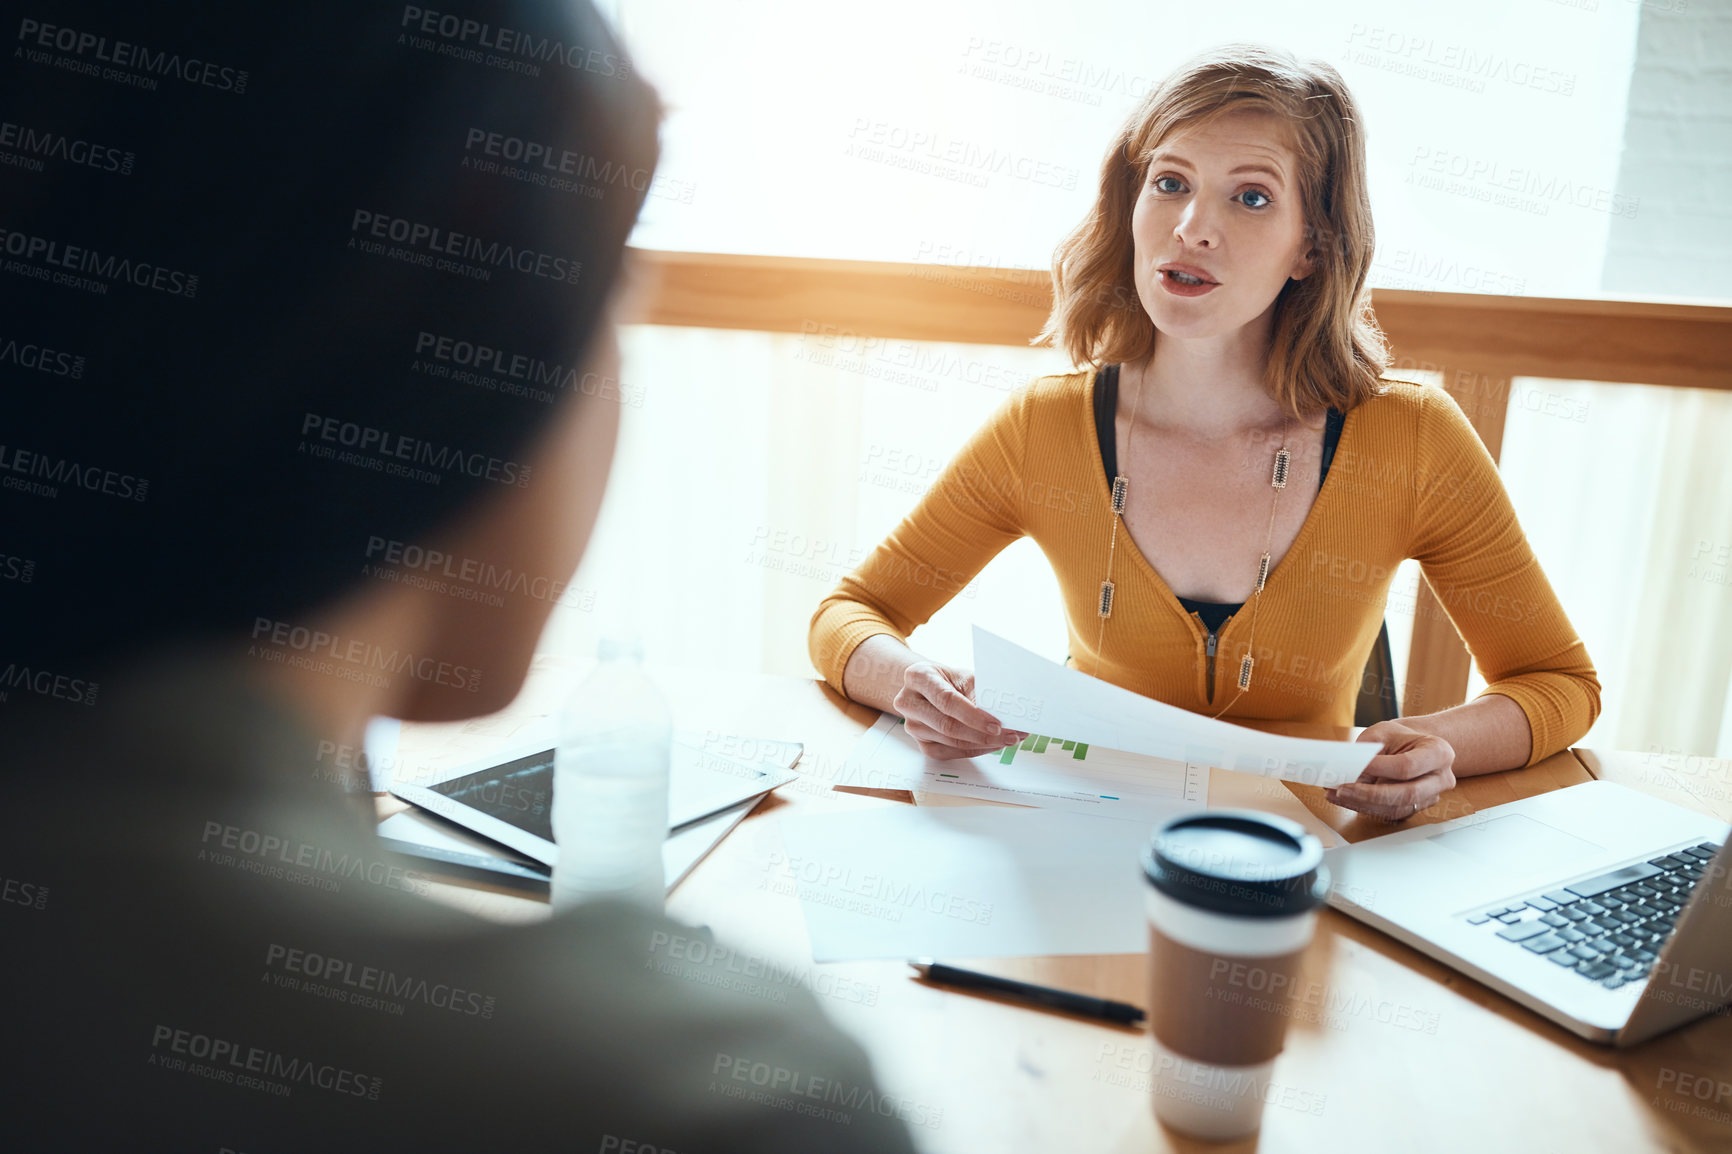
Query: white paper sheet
{"type": "Point", "coordinates": [968, 882]}
{"type": "Point", "coordinates": [876, 763]}
{"type": "Point", "coordinates": [1025, 691]}
{"type": "Point", "coordinates": [1227, 790]}
{"type": "Point", "coordinates": [1044, 771]}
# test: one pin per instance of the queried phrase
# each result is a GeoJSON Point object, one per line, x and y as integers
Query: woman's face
{"type": "Point", "coordinates": [1220, 199]}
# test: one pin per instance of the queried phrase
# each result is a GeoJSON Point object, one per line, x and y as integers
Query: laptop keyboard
{"type": "Point", "coordinates": [1609, 928]}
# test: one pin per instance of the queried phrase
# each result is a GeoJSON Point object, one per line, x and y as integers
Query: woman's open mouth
{"type": "Point", "coordinates": [1184, 284]}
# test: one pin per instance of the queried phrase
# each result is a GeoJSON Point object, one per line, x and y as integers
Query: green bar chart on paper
{"type": "Point", "coordinates": [1042, 769]}
{"type": "Point", "coordinates": [1038, 742]}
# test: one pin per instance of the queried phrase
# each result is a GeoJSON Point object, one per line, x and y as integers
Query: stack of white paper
{"type": "Point", "coordinates": [1062, 877]}
{"type": "Point", "coordinates": [1025, 691]}
{"type": "Point", "coordinates": [1051, 772]}
{"type": "Point", "coordinates": [975, 881]}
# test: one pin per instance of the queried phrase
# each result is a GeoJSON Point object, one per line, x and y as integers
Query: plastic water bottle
{"type": "Point", "coordinates": [610, 784]}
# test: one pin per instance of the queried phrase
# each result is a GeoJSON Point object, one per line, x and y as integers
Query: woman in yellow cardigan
{"type": "Point", "coordinates": [1232, 442]}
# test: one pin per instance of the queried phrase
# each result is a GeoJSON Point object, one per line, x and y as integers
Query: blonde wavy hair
{"type": "Point", "coordinates": [1326, 348]}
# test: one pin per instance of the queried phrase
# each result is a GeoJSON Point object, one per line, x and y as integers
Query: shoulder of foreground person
{"type": "Point", "coordinates": [198, 887]}
{"type": "Point", "coordinates": [379, 1018]}
{"type": "Point", "coordinates": [705, 1045]}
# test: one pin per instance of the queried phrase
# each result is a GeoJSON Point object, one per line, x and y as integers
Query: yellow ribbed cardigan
{"type": "Point", "coordinates": [1410, 478]}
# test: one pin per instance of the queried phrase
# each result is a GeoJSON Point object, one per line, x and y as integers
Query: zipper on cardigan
{"type": "Point", "coordinates": [1209, 652]}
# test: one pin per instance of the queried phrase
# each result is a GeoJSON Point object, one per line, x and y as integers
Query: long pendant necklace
{"type": "Point", "coordinates": [1121, 492]}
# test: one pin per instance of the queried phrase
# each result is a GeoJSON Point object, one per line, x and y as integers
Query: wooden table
{"type": "Point", "coordinates": [1388, 1049]}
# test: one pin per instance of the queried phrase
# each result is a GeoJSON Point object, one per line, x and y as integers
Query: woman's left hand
{"type": "Point", "coordinates": [1408, 776]}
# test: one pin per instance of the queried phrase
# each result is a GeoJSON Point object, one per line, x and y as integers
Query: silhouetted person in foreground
{"type": "Point", "coordinates": [292, 303]}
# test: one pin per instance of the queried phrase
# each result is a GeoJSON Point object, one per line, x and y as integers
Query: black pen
{"type": "Point", "coordinates": [1119, 1012]}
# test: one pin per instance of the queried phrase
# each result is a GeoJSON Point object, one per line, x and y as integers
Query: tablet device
{"type": "Point", "coordinates": [508, 798]}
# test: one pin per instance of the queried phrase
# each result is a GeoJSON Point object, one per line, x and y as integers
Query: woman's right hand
{"type": "Point", "coordinates": [936, 703]}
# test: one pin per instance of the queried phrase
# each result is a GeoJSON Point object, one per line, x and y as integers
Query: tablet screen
{"type": "Point", "coordinates": [518, 792]}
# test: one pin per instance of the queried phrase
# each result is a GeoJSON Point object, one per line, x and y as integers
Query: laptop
{"type": "Point", "coordinates": [1602, 908]}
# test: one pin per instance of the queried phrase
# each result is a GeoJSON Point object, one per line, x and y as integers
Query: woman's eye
{"type": "Point", "coordinates": [1259, 193]}
{"type": "Point", "coordinates": [1159, 181]}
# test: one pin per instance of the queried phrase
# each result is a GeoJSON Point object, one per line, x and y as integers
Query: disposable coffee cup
{"type": "Point", "coordinates": [1232, 900]}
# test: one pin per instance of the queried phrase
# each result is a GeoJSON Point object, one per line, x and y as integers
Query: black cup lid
{"type": "Point", "coordinates": [1238, 862]}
